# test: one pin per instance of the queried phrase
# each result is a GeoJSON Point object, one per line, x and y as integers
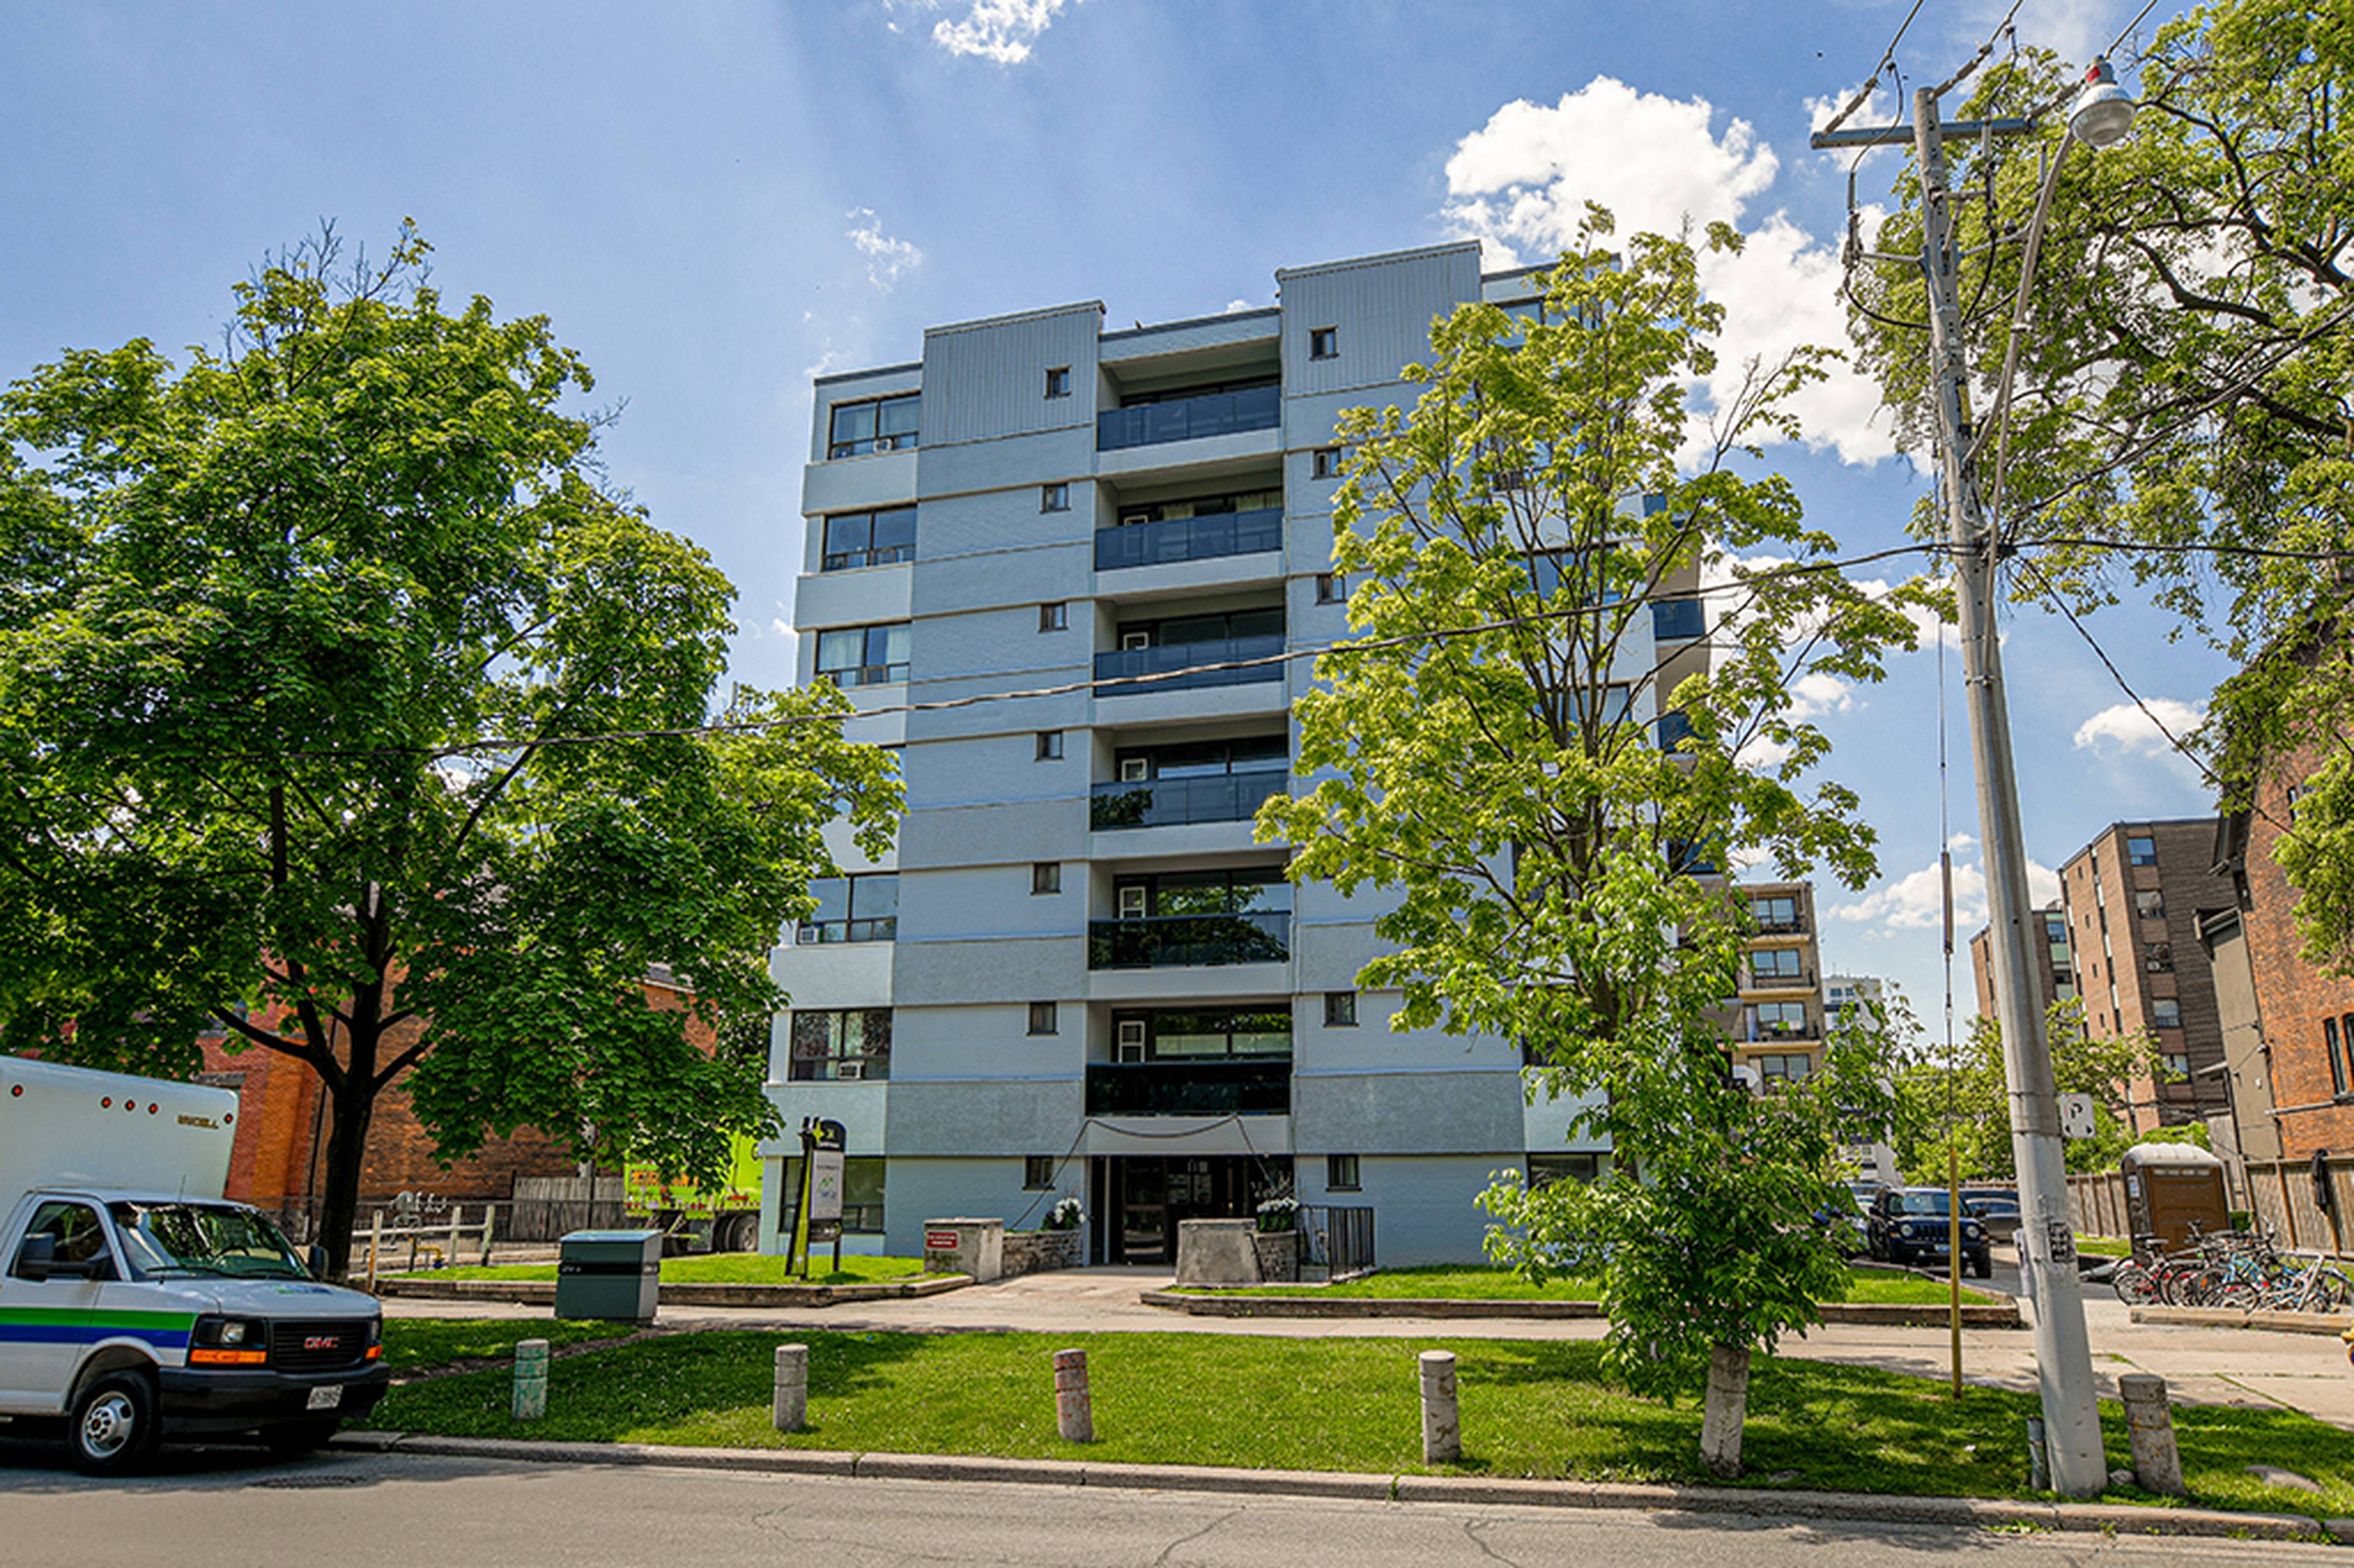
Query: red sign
{"type": "Point", "coordinates": [941, 1241]}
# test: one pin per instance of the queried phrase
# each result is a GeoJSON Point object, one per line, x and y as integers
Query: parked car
{"type": "Point", "coordinates": [1906, 1224]}
{"type": "Point", "coordinates": [1998, 1211]}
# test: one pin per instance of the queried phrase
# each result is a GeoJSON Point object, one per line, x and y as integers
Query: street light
{"type": "Point", "coordinates": [2103, 111]}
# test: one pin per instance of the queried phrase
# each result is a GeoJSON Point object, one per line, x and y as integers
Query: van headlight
{"type": "Point", "coordinates": [217, 1342]}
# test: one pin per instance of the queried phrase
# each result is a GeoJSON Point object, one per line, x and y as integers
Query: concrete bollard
{"type": "Point", "coordinates": [2157, 1465]}
{"type": "Point", "coordinates": [793, 1387]}
{"type": "Point", "coordinates": [531, 1380]}
{"type": "Point", "coordinates": [1075, 1414]}
{"type": "Point", "coordinates": [1442, 1426]}
{"type": "Point", "coordinates": [2039, 1459]}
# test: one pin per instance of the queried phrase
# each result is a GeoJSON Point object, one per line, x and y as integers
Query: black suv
{"type": "Point", "coordinates": [1908, 1222]}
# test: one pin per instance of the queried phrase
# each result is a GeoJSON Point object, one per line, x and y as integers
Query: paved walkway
{"type": "Point", "coordinates": [2205, 1366]}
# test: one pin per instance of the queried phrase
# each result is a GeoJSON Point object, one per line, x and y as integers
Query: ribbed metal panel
{"type": "Point", "coordinates": [988, 379]}
{"type": "Point", "coordinates": [1381, 308]}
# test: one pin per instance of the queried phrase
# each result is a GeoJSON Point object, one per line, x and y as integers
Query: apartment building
{"type": "Point", "coordinates": [1849, 997]}
{"type": "Point", "coordinates": [1779, 1029]}
{"type": "Point", "coordinates": [2055, 962]}
{"type": "Point", "coordinates": [1077, 974]}
{"type": "Point", "coordinates": [2132, 899]}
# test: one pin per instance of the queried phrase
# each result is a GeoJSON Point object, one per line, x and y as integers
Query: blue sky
{"type": "Point", "coordinates": [715, 201]}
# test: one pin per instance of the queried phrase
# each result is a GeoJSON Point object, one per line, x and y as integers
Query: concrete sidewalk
{"type": "Point", "coordinates": [2201, 1365]}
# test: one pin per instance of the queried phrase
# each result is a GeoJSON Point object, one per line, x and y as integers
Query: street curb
{"type": "Point", "coordinates": [2331, 1323]}
{"type": "Point", "coordinates": [1879, 1314]}
{"type": "Point", "coordinates": [1863, 1506]}
{"type": "Point", "coordinates": [541, 1292]}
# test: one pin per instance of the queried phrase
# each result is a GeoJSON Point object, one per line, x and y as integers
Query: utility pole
{"type": "Point", "coordinates": [2047, 1239]}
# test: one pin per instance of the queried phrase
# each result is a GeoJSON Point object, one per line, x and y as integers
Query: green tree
{"type": "Point", "coordinates": [307, 651]}
{"type": "Point", "coordinates": [1965, 1100]}
{"type": "Point", "coordinates": [2184, 382]}
{"type": "Point", "coordinates": [1540, 859]}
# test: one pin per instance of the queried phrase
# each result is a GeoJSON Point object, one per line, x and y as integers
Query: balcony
{"type": "Point", "coordinates": [1189, 419]}
{"type": "Point", "coordinates": [1189, 941]}
{"type": "Point", "coordinates": [1245, 1088]}
{"type": "Point", "coordinates": [1179, 802]}
{"type": "Point", "coordinates": [1804, 979]}
{"type": "Point", "coordinates": [1189, 538]}
{"type": "Point", "coordinates": [1164, 659]}
{"type": "Point", "coordinates": [1756, 1031]}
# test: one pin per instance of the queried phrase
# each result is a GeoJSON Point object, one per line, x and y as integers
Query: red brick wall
{"type": "Point", "coordinates": [2292, 995]}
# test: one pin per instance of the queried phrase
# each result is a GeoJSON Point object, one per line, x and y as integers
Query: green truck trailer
{"type": "Point", "coordinates": [692, 1218]}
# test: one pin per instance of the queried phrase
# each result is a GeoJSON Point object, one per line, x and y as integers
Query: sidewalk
{"type": "Point", "coordinates": [2201, 1365]}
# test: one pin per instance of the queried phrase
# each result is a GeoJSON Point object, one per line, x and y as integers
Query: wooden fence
{"type": "Point", "coordinates": [2278, 1192]}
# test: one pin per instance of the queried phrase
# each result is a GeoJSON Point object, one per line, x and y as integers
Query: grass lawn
{"type": "Point", "coordinates": [717, 1269]}
{"type": "Point", "coordinates": [2105, 1246]}
{"type": "Point", "coordinates": [1474, 1282]}
{"type": "Point", "coordinates": [414, 1344]}
{"type": "Point", "coordinates": [1529, 1408]}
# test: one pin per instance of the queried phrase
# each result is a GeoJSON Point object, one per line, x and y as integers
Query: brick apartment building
{"type": "Point", "coordinates": [2055, 962]}
{"type": "Point", "coordinates": [2296, 1020]}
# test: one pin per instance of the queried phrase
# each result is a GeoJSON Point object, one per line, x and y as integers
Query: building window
{"type": "Point", "coordinates": [1042, 1018]}
{"type": "Point", "coordinates": [841, 1045]}
{"type": "Point", "coordinates": [1340, 1010]}
{"type": "Point", "coordinates": [1059, 381]}
{"type": "Point", "coordinates": [1778, 1020]}
{"type": "Point", "coordinates": [1324, 342]}
{"type": "Point", "coordinates": [1181, 1035]}
{"type": "Point", "coordinates": [1788, 1068]}
{"type": "Point", "coordinates": [2176, 1065]}
{"type": "Point", "coordinates": [863, 908]}
{"type": "Point", "coordinates": [1054, 498]}
{"type": "Point", "coordinates": [868, 538]}
{"type": "Point", "coordinates": [877, 425]}
{"type": "Point", "coordinates": [1037, 1172]}
{"type": "Point", "coordinates": [2330, 1049]}
{"type": "Point", "coordinates": [2166, 1013]}
{"type": "Point", "coordinates": [1341, 1173]}
{"type": "Point", "coordinates": [1324, 462]}
{"type": "Point", "coordinates": [1777, 914]}
{"type": "Point", "coordinates": [2149, 904]}
{"type": "Point", "coordinates": [2141, 852]}
{"type": "Point", "coordinates": [1777, 964]}
{"type": "Point", "coordinates": [1055, 617]}
{"type": "Point", "coordinates": [1046, 876]}
{"type": "Point", "coordinates": [1331, 588]}
{"type": "Point", "coordinates": [2157, 957]}
{"type": "Point", "coordinates": [1544, 1169]}
{"type": "Point", "coordinates": [1050, 746]}
{"type": "Point", "coordinates": [864, 655]}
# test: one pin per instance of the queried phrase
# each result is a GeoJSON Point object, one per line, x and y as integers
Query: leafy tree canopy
{"type": "Point", "coordinates": [310, 652]}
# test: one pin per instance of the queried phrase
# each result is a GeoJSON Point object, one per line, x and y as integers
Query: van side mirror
{"type": "Point", "coordinates": [36, 1258]}
{"type": "Point", "coordinates": [315, 1258]}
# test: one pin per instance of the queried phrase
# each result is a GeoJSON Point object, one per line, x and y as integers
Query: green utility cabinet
{"type": "Point", "coordinates": [613, 1274]}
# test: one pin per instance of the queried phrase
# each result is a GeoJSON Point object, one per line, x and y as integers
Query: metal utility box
{"type": "Point", "coordinates": [609, 1274]}
{"type": "Point", "coordinates": [2171, 1186]}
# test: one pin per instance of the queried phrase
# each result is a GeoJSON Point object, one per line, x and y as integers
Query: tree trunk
{"type": "Point", "coordinates": [1727, 1408]}
{"type": "Point", "coordinates": [349, 1112]}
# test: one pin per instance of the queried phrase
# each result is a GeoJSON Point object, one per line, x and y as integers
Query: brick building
{"type": "Point", "coordinates": [2132, 900]}
{"type": "Point", "coordinates": [2302, 1018]}
{"type": "Point", "coordinates": [2055, 962]}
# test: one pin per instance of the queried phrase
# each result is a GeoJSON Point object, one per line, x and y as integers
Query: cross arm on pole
{"type": "Point", "coordinates": [1902, 136]}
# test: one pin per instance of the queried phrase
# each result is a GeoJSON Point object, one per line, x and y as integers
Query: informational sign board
{"type": "Point", "coordinates": [941, 1241]}
{"type": "Point", "coordinates": [2076, 1116]}
{"type": "Point", "coordinates": [824, 1144]}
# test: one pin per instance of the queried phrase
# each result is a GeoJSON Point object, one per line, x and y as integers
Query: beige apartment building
{"type": "Point", "coordinates": [1778, 1031]}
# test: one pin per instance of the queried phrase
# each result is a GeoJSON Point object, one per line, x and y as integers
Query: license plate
{"type": "Point", "coordinates": [327, 1397]}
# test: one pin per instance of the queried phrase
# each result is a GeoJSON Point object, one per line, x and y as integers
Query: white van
{"type": "Point", "coordinates": [137, 1302]}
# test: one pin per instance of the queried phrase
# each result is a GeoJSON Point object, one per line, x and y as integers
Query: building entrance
{"type": "Point", "coordinates": [1140, 1199]}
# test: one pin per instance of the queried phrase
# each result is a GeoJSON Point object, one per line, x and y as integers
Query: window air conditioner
{"type": "Point", "coordinates": [849, 1072]}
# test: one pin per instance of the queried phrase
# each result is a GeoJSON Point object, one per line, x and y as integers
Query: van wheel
{"type": "Point", "coordinates": [299, 1436]}
{"type": "Point", "coordinates": [114, 1425]}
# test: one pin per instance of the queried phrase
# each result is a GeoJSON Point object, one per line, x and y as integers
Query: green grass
{"type": "Point", "coordinates": [2105, 1246]}
{"type": "Point", "coordinates": [1475, 1282]}
{"type": "Point", "coordinates": [414, 1344]}
{"type": "Point", "coordinates": [717, 1269]}
{"type": "Point", "coordinates": [1529, 1408]}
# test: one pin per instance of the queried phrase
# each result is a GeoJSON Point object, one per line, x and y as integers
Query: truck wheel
{"type": "Point", "coordinates": [743, 1233]}
{"type": "Point", "coordinates": [114, 1425]}
{"type": "Point", "coordinates": [299, 1436]}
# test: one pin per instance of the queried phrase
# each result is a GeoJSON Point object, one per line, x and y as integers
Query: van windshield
{"type": "Point", "coordinates": [203, 1239]}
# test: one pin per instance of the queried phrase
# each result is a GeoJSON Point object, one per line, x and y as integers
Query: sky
{"type": "Point", "coordinates": [715, 202]}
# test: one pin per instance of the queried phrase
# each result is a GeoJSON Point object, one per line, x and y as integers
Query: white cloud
{"type": "Point", "coordinates": [1522, 183]}
{"type": "Point", "coordinates": [998, 30]}
{"type": "Point", "coordinates": [1235, 306]}
{"type": "Point", "coordinates": [1916, 901]}
{"type": "Point", "coordinates": [886, 257]}
{"type": "Point", "coordinates": [2125, 729]}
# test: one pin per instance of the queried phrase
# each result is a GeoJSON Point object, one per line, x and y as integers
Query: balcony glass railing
{"type": "Point", "coordinates": [1803, 979]}
{"type": "Point", "coordinates": [1260, 1087]}
{"type": "Point", "coordinates": [1199, 538]}
{"type": "Point", "coordinates": [1175, 802]}
{"type": "Point", "coordinates": [1165, 659]}
{"type": "Point", "coordinates": [1185, 419]}
{"type": "Point", "coordinates": [1189, 941]}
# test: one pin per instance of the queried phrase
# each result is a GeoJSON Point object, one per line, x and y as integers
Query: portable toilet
{"type": "Point", "coordinates": [2169, 1188]}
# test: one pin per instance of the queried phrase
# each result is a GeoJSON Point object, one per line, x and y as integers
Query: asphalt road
{"type": "Point", "coordinates": [227, 1508]}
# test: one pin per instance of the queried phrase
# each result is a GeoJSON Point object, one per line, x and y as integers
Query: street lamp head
{"type": "Point", "coordinates": [2103, 112]}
